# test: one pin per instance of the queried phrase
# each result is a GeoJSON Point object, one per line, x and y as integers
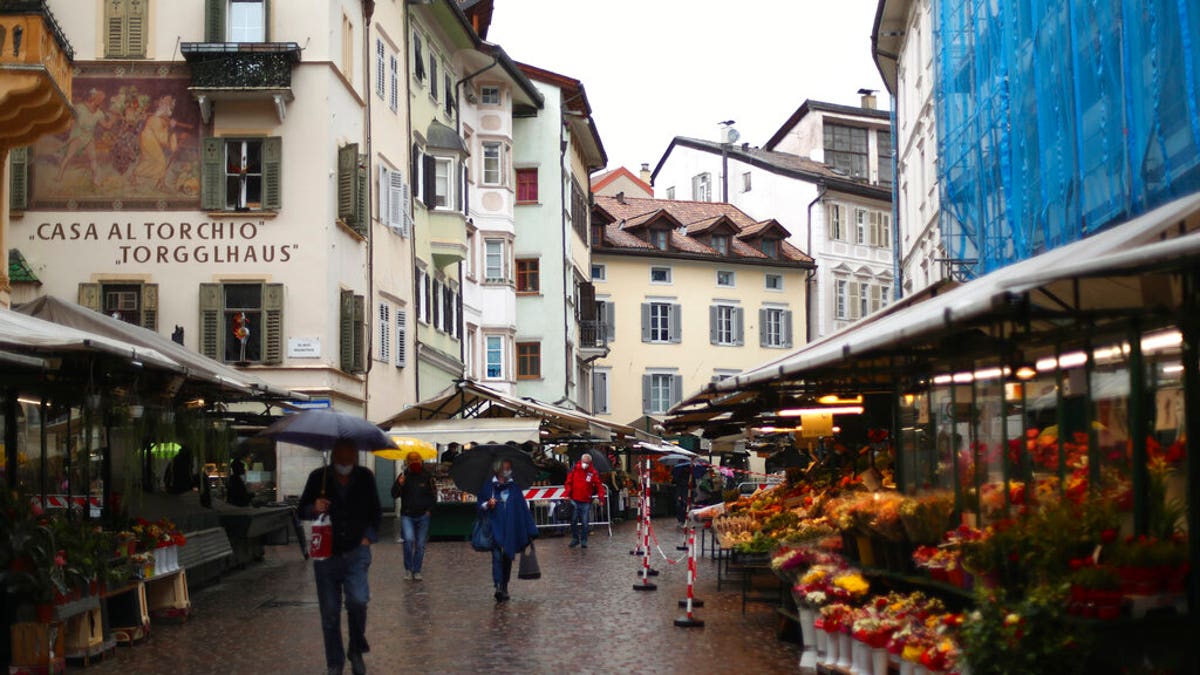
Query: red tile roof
{"type": "Point", "coordinates": [600, 180]}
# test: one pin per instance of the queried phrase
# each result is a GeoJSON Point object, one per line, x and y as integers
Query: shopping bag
{"type": "Point", "coordinates": [320, 543]}
{"type": "Point", "coordinates": [529, 565]}
{"type": "Point", "coordinates": [481, 534]}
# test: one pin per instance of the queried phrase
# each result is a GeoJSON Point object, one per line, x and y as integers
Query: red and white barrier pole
{"type": "Point", "coordinates": [641, 523]}
{"type": "Point", "coordinates": [645, 584]}
{"type": "Point", "coordinates": [689, 620]}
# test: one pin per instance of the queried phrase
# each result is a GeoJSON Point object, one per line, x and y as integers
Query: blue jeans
{"type": "Point", "coordinates": [501, 568]}
{"type": "Point", "coordinates": [346, 572]}
{"type": "Point", "coordinates": [581, 519]}
{"type": "Point", "coordinates": [416, 533]}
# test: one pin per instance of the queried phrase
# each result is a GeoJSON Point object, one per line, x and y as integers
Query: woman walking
{"type": "Point", "coordinates": [512, 523]}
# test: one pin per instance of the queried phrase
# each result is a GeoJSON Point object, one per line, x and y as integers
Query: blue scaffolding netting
{"type": "Point", "coordinates": [1057, 118]}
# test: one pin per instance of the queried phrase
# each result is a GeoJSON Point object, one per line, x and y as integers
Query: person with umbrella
{"type": "Point", "coordinates": [512, 523]}
{"type": "Point", "coordinates": [417, 494]}
{"type": "Point", "coordinates": [348, 495]}
{"type": "Point", "coordinates": [582, 484]}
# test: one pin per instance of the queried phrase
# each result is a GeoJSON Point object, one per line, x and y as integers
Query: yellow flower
{"type": "Point", "coordinates": [1012, 620]}
{"type": "Point", "coordinates": [912, 653]}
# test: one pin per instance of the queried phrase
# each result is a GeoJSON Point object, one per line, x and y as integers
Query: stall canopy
{"type": "Point", "coordinates": [477, 430]}
{"type": "Point", "coordinates": [69, 316]}
{"type": "Point", "coordinates": [468, 402]}
{"type": "Point", "coordinates": [26, 333]}
{"type": "Point", "coordinates": [1040, 293]}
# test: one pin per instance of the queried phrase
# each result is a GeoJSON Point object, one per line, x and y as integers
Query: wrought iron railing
{"type": "Point", "coordinates": [222, 65]}
{"type": "Point", "coordinates": [593, 334]}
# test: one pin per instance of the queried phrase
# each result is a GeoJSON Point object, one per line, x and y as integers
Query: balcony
{"type": "Point", "coordinates": [241, 71]}
{"type": "Point", "coordinates": [35, 73]}
{"type": "Point", "coordinates": [593, 339]}
{"type": "Point", "coordinates": [447, 237]}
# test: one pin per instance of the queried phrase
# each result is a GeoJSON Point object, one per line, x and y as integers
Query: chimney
{"type": "Point", "coordinates": [644, 174]}
{"type": "Point", "coordinates": [868, 98]}
{"type": "Point", "coordinates": [621, 197]}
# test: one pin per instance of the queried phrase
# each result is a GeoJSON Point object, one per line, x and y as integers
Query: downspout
{"type": "Point", "coordinates": [897, 268]}
{"type": "Point", "coordinates": [368, 12]}
{"type": "Point", "coordinates": [412, 205]}
{"type": "Point", "coordinates": [808, 281]}
{"type": "Point", "coordinates": [725, 172]}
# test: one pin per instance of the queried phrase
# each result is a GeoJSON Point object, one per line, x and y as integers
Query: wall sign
{"type": "Point", "coordinates": [304, 348]}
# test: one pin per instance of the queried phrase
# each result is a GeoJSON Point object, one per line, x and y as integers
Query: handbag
{"type": "Point", "coordinates": [529, 568]}
{"type": "Point", "coordinates": [481, 534]}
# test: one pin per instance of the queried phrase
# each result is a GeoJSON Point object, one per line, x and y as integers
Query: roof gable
{"type": "Point", "coordinates": [764, 229]}
{"type": "Point", "coordinates": [602, 180]}
{"type": "Point", "coordinates": [809, 105]}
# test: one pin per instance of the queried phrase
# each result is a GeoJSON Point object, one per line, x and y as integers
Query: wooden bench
{"type": "Point", "coordinates": [206, 554]}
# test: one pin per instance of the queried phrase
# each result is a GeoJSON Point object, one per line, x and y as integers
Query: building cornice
{"type": "Point", "coordinates": [696, 257]}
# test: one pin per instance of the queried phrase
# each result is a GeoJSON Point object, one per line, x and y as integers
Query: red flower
{"type": "Point", "coordinates": [1108, 536]}
{"type": "Point", "coordinates": [60, 560]}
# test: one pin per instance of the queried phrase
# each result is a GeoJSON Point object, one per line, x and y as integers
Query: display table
{"type": "Point", "coordinates": [452, 521]}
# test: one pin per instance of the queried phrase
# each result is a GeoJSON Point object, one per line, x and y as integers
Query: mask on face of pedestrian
{"type": "Point", "coordinates": [586, 461]}
{"type": "Point", "coordinates": [343, 469]}
{"type": "Point", "coordinates": [344, 457]}
{"type": "Point", "coordinates": [507, 473]}
{"type": "Point", "coordinates": [414, 462]}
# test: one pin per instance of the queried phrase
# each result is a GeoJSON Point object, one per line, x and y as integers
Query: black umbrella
{"type": "Point", "coordinates": [472, 468]}
{"type": "Point", "coordinates": [599, 459]}
{"type": "Point", "coordinates": [321, 429]}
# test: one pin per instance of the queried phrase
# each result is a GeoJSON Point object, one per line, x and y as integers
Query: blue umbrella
{"type": "Point", "coordinates": [321, 429]}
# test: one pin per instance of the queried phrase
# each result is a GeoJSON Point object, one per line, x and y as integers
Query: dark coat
{"type": "Point", "coordinates": [418, 494]}
{"type": "Point", "coordinates": [512, 522]}
{"type": "Point", "coordinates": [355, 515]}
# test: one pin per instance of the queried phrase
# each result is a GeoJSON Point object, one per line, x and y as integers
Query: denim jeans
{"type": "Point", "coordinates": [416, 533]}
{"type": "Point", "coordinates": [343, 573]}
{"type": "Point", "coordinates": [501, 568]}
{"type": "Point", "coordinates": [581, 519]}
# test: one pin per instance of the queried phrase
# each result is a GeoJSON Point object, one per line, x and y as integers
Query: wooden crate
{"type": "Point", "coordinates": [31, 647]}
{"type": "Point", "coordinates": [133, 623]}
{"type": "Point", "coordinates": [167, 595]}
{"type": "Point", "coordinates": [85, 631]}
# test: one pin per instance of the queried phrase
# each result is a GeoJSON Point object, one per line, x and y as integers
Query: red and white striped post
{"type": "Point", "coordinates": [641, 523]}
{"type": "Point", "coordinates": [689, 620]}
{"type": "Point", "coordinates": [645, 584]}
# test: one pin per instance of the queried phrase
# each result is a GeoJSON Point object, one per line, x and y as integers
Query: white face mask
{"type": "Point", "coordinates": [507, 473]}
{"type": "Point", "coordinates": [343, 469]}
{"type": "Point", "coordinates": [586, 463]}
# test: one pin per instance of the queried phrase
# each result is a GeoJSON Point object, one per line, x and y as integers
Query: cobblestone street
{"type": "Point", "coordinates": [581, 616]}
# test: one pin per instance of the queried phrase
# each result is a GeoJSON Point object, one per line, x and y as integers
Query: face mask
{"type": "Point", "coordinates": [586, 463]}
{"type": "Point", "coordinates": [415, 467]}
{"type": "Point", "coordinates": [343, 469]}
{"type": "Point", "coordinates": [507, 473]}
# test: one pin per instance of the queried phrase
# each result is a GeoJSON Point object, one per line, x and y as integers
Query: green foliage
{"type": "Point", "coordinates": [1029, 635]}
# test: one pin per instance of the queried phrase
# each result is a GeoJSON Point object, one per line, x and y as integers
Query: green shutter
{"type": "Point", "coordinates": [272, 158]}
{"type": "Point", "coordinates": [428, 180]}
{"type": "Point", "coordinates": [150, 306]}
{"type": "Point", "coordinates": [273, 324]}
{"type": "Point", "coordinates": [360, 329]}
{"type": "Point", "coordinates": [347, 182]}
{"type": "Point", "coordinates": [212, 174]}
{"type": "Point", "coordinates": [214, 20]}
{"type": "Point", "coordinates": [89, 296]}
{"type": "Point", "coordinates": [346, 331]}
{"type": "Point", "coordinates": [362, 207]}
{"type": "Point", "coordinates": [18, 178]}
{"type": "Point", "coordinates": [135, 29]}
{"type": "Point", "coordinates": [114, 28]}
{"type": "Point", "coordinates": [210, 320]}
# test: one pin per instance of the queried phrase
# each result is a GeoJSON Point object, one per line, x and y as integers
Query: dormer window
{"type": "Point", "coordinates": [660, 239]}
{"type": "Point", "coordinates": [770, 247]}
{"type": "Point", "coordinates": [720, 243]}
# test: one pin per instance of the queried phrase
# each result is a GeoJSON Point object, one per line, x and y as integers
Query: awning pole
{"type": "Point", "coordinates": [954, 450]}
{"type": "Point", "coordinates": [1138, 430]}
{"type": "Point", "coordinates": [1190, 327]}
{"type": "Point", "coordinates": [1060, 415]}
{"type": "Point", "coordinates": [10, 437]}
{"type": "Point", "coordinates": [44, 480]}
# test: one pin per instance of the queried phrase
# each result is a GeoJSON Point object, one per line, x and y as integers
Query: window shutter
{"type": "Point", "coordinates": [739, 327]}
{"type": "Point", "coordinates": [597, 393]}
{"type": "Point", "coordinates": [429, 166]}
{"type": "Point", "coordinates": [114, 28]}
{"type": "Point", "coordinates": [646, 382]}
{"type": "Point", "coordinates": [406, 222]}
{"type": "Point", "coordinates": [384, 340]}
{"type": "Point", "coordinates": [762, 327]}
{"type": "Point", "coordinates": [89, 296]}
{"type": "Point", "coordinates": [347, 181]}
{"type": "Point", "coordinates": [397, 200]}
{"type": "Point", "coordinates": [360, 328]}
{"type": "Point", "coordinates": [214, 20]}
{"type": "Point", "coordinates": [401, 337]}
{"type": "Point", "coordinates": [587, 297]}
{"type": "Point", "coordinates": [135, 29]}
{"type": "Point", "coordinates": [610, 319]}
{"type": "Point", "coordinates": [210, 320]}
{"type": "Point", "coordinates": [415, 171]}
{"type": "Point", "coordinates": [787, 327]}
{"type": "Point", "coordinates": [272, 324]}
{"type": "Point", "coordinates": [346, 331]}
{"type": "Point", "coordinates": [272, 158]}
{"type": "Point", "coordinates": [676, 324]}
{"type": "Point", "coordinates": [676, 390]}
{"type": "Point", "coordinates": [212, 175]}
{"type": "Point", "coordinates": [150, 306]}
{"type": "Point", "coordinates": [714, 319]}
{"type": "Point", "coordinates": [18, 178]}
{"type": "Point", "coordinates": [384, 193]}
{"type": "Point", "coordinates": [645, 322]}
{"type": "Point", "coordinates": [853, 311]}
{"type": "Point", "coordinates": [362, 204]}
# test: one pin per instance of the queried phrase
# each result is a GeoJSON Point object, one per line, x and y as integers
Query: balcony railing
{"type": "Point", "coordinates": [241, 66]}
{"type": "Point", "coordinates": [593, 334]}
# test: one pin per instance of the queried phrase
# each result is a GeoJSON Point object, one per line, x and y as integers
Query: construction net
{"type": "Point", "coordinates": [1057, 118]}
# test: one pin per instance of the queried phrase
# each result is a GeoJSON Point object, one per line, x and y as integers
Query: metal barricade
{"type": "Point", "coordinates": [544, 503]}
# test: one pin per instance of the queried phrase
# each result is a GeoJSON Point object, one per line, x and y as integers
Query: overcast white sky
{"type": "Point", "coordinates": [656, 69]}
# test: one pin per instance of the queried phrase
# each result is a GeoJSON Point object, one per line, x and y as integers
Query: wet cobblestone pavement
{"type": "Point", "coordinates": [581, 616]}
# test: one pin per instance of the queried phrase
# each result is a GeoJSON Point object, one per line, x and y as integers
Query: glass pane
{"type": "Point", "coordinates": [253, 192]}
{"type": "Point", "coordinates": [233, 192]}
{"type": "Point", "coordinates": [243, 296]}
{"type": "Point", "coordinates": [239, 349]}
{"type": "Point", "coordinates": [254, 156]}
{"type": "Point", "coordinates": [246, 21]}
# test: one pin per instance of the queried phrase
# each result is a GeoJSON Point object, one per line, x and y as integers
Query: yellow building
{"type": "Point", "coordinates": [690, 292]}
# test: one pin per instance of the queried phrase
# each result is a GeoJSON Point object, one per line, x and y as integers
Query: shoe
{"type": "Point", "coordinates": [583, 545]}
{"type": "Point", "coordinates": [499, 595]}
{"type": "Point", "coordinates": [356, 664]}
{"type": "Point", "coordinates": [504, 593]}
{"type": "Point", "coordinates": [331, 670]}
{"type": "Point", "coordinates": [573, 544]}
{"type": "Point", "coordinates": [408, 575]}
{"type": "Point", "coordinates": [416, 576]}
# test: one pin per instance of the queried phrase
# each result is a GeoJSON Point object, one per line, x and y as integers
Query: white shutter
{"type": "Point", "coordinates": [401, 337]}
{"type": "Point", "coordinates": [385, 332]}
{"type": "Point", "coordinates": [385, 206]}
{"type": "Point", "coordinates": [853, 309]}
{"type": "Point", "coordinates": [397, 203]}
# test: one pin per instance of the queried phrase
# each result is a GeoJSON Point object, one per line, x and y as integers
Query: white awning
{"type": "Point", "coordinates": [28, 333]}
{"type": "Point", "coordinates": [473, 430]}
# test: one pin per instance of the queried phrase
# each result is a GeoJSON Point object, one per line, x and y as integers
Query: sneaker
{"type": "Point", "coordinates": [416, 576]}
{"type": "Point", "coordinates": [356, 664]}
{"type": "Point", "coordinates": [408, 575]}
{"type": "Point", "coordinates": [334, 670]}
{"type": "Point", "coordinates": [573, 544]}
{"type": "Point", "coordinates": [499, 595]}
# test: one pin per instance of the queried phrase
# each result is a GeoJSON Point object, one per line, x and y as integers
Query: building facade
{"type": "Point", "coordinates": [843, 222]}
{"type": "Point", "coordinates": [691, 292]}
{"type": "Point", "coordinates": [622, 180]}
{"type": "Point", "coordinates": [558, 335]}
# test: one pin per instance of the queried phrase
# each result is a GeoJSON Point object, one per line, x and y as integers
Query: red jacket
{"type": "Point", "coordinates": [582, 483]}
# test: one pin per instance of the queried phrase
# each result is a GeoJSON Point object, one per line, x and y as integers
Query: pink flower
{"type": "Point", "coordinates": [60, 560]}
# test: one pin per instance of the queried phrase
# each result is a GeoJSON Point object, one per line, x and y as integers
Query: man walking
{"type": "Point", "coordinates": [417, 494]}
{"type": "Point", "coordinates": [583, 482]}
{"type": "Point", "coordinates": [346, 492]}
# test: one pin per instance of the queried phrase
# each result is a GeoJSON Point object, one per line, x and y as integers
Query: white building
{"type": "Point", "coordinates": [903, 51]}
{"type": "Point", "coordinates": [843, 222]}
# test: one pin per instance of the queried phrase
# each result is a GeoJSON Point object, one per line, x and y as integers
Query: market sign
{"type": "Point", "coordinates": [208, 242]}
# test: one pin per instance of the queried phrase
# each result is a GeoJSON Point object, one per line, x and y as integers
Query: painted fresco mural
{"type": "Point", "coordinates": [134, 144]}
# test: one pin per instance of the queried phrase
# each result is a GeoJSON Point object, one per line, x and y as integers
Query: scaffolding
{"type": "Point", "coordinates": [1058, 118]}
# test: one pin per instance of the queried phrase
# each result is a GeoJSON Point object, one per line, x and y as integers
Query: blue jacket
{"type": "Point", "coordinates": [512, 522]}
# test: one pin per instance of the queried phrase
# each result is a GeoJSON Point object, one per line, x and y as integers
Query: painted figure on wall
{"type": "Point", "coordinates": [134, 144]}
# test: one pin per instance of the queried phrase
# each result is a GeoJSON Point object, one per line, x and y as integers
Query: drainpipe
{"type": "Point", "coordinates": [415, 324]}
{"type": "Point", "coordinates": [808, 281]}
{"type": "Point", "coordinates": [897, 268]}
{"type": "Point", "coordinates": [725, 172]}
{"type": "Point", "coordinates": [368, 12]}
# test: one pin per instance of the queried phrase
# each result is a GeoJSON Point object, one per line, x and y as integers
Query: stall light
{"type": "Point", "coordinates": [194, 404]}
{"type": "Point", "coordinates": [964, 378]}
{"type": "Point", "coordinates": [834, 399]}
{"type": "Point", "coordinates": [943, 379]}
{"type": "Point", "coordinates": [776, 430]}
{"type": "Point", "coordinates": [1173, 368]}
{"type": "Point", "coordinates": [29, 401]}
{"type": "Point", "coordinates": [844, 410]}
{"type": "Point", "coordinates": [1044, 365]}
{"type": "Point", "coordinates": [1072, 360]}
{"type": "Point", "coordinates": [989, 374]}
{"type": "Point", "coordinates": [1158, 341]}
{"type": "Point", "coordinates": [1026, 372]}
{"type": "Point", "coordinates": [836, 430]}
{"type": "Point", "coordinates": [909, 398]}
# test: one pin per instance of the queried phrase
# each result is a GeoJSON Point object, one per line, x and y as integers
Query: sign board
{"type": "Point", "coordinates": [816, 425]}
{"type": "Point", "coordinates": [304, 348]}
{"type": "Point", "coordinates": [312, 404]}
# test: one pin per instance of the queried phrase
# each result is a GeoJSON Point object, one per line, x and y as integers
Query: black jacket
{"type": "Point", "coordinates": [355, 515]}
{"type": "Point", "coordinates": [417, 495]}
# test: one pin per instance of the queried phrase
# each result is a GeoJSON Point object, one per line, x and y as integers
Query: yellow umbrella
{"type": "Point", "coordinates": [405, 445]}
